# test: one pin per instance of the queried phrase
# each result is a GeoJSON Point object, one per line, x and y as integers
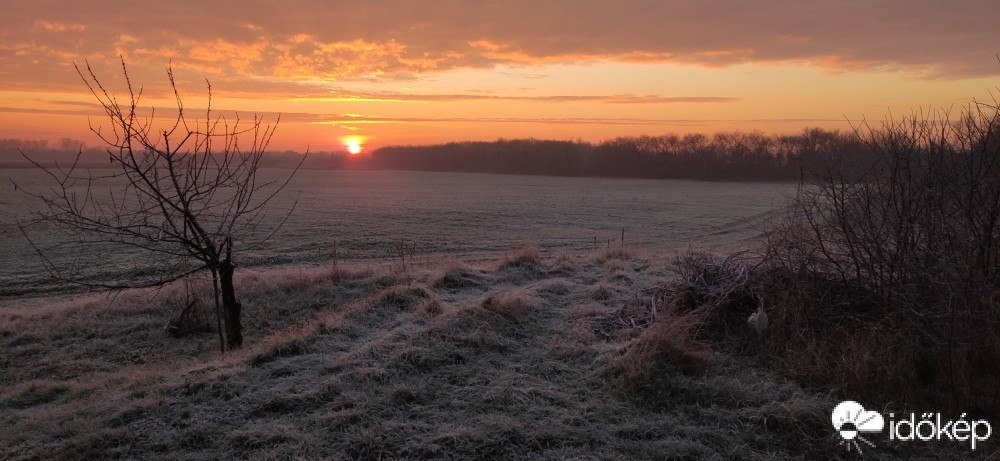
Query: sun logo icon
{"type": "Point", "coordinates": [850, 419]}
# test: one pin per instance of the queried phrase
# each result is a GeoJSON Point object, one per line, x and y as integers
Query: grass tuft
{"type": "Point", "coordinates": [457, 276]}
{"type": "Point", "coordinates": [515, 304]}
{"type": "Point", "coordinates": [526, 256]}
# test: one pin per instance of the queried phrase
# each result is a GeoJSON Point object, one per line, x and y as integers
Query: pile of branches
{"type": "Point", "coordinates": [633, 316]}
{"type": "Point", "coordinates": [727, 290]}
{"type": "Point", "coordinates": [723, 292]}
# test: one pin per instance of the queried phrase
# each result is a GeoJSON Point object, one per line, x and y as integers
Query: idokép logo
{"type": "Point", "coordinates": [855, 424]}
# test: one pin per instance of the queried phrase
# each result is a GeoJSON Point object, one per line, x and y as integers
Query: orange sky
{"type": "Point", "coordinates": [433, 71]}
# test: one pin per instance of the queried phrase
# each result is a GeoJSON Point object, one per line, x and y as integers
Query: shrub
{"type": "Point", "coordinates": [888, 273]}
{"type": "Point", "coordinates": [883, 281]}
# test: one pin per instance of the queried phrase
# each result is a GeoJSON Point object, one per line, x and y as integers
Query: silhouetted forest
{"type": "Point", "coordinates": [722, 156]}
{"type": "Point", "coordinates": [65, 151]}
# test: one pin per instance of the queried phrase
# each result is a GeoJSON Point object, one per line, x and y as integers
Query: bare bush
{"type": "Point", "coordinates": [909, 246]}
{"type": "Point", "coordinates": [883, 281]}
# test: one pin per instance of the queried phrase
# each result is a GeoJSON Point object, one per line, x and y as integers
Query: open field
{"type": "Point", "coordinates": [470, 216]}
{"type": "Point", "coordinates": [522, 357]}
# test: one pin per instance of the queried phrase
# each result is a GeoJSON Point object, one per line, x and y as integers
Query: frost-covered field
{"type": "Point", "coordinates": [520, 358]}
{"type": "Point", "coordinates": [561, 352]}
{"type": "Point", "coordinates": [455, 214]}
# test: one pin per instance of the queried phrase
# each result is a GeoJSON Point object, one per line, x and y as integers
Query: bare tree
{"type": "Point", "coordinates": [178, 193]}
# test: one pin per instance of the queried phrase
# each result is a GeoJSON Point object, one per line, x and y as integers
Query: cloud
{"type": "Point", "coordinates": [320, 119]}
{"type": "Point", "coordinates": [253, 41]}
{"type": "Point", "coordinates": [60, 26]}
{"type": "Point", "coordinates": [388, 96]}
{"type": "Point", "coordinates": [352, 121]}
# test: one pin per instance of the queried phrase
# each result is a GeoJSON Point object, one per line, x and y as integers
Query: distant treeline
{"type": "Point", "coordinates": [42, 151]}
{"type": "Point", "coordinates": [722, 156]}
{"type": "Point", "coordinates": [65, 151]}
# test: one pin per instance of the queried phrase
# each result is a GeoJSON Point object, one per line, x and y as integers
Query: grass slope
{"type": "Point", "coordinates": [503, 360]}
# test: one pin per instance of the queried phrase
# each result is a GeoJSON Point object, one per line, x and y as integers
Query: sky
{"type": "Point", "coordinates": [380, 72]}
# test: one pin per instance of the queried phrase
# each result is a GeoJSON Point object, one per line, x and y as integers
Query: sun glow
{"type": "Point", "coordinates": [352, 143]}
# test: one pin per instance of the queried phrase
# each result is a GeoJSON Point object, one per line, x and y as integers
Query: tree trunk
{"type": "Point", "coordinates": [230, 308]}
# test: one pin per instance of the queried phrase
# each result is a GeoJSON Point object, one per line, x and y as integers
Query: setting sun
{"type": "Point", "coordinates": [354, 148]}
{"type": "Point", "coordinates": [353, 144]}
